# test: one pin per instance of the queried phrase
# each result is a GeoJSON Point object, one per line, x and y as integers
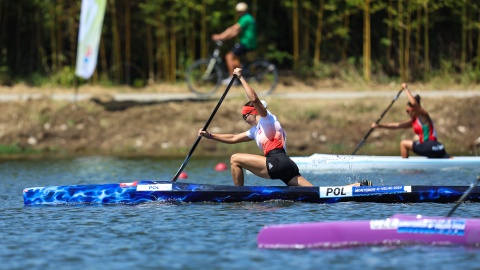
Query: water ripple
{"type": "Point", "coordinates": [201, 235]}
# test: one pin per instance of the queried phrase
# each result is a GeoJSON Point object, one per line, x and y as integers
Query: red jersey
{"type": "Point", "coordinates": [425, 132]}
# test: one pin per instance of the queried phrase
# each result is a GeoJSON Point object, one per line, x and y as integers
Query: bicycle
{"type": "Point", "coordinates": [205, 76]}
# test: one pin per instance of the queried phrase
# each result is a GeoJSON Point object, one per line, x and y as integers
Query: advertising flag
{"type": "Point", "coordinates": [91, 21]}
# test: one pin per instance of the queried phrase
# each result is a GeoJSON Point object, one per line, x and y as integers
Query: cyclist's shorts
{"type": "Point", "coordinates": [239, 49]}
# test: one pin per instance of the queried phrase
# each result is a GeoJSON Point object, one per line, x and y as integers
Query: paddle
{"type": "Point", "coordinates": [376, 122]}
{"type": "Point", "coordinates": [204, 128]}
{"type": "Point", "coordinates": [472, 186]}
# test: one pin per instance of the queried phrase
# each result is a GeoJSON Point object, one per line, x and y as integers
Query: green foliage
{"type": "Point", "coordinates": [138, 83]}
{"type": "Point", "coordinates": [15, 149]}
{"type": "Point", "coordinates": [65, 77]}
{"type": "Point", "coordinates": [386, 42]}
{"type": "Point", "coordinates": [46, 34]}
{"type": "Point", "coordinates": [277, 56]}
{"type": "Point", "coordinates": [325, 71]}
{"type": "Point", "coordinates": [5, 78]}
{"type": "Point", "coordinates": [36, 79]}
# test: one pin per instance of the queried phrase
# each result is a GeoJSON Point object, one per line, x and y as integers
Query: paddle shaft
{"type": "Point", "coordinates": [472, 186]}
{"type": "Point", "coordinates": [376, 122]}
{"type": "Point", "coordinates": [204, 128]}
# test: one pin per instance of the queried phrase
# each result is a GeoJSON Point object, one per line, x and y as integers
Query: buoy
{"type": "Point", "coordinates": [183, 175]}
{"type": "Point", "coordinates": [220, 167]}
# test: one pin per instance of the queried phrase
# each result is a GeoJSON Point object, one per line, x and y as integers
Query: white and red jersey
{"type": "Point", "coordinates": [268, 134]}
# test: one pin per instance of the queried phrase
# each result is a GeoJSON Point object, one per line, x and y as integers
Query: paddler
{"type": "Point", "coordinates": [270, 138]}
{"type": "Point", "coordinates": [427, 144]}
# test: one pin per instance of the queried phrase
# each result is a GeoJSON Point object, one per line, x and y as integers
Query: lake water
{"type": "Point", "coordinates": [201, 235]}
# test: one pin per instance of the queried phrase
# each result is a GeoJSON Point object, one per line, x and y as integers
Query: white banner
{"type": "Point", "coordinates": [89, 32]}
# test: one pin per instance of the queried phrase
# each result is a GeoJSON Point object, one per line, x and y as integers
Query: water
{"type": "Point", "coordinates": [202, 235]}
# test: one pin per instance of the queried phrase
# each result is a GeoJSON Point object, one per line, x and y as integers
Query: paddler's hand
{"type": "Point", "coordinates": [238, 72]}
{"type": "Point", "coordinates": [404, 86]}
{"type": "Point", "coordinates": [204, 134]}
{"type": "Point", "coordinates": [374, 125]}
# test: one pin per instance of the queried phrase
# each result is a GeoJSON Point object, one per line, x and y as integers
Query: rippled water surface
{"type": "Point", "coordinates": [199, 236]}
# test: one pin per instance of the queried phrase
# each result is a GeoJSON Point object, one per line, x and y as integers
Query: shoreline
{"type": "Point", "coordinates": [146, 127]}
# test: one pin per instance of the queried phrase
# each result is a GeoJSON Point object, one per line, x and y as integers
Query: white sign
{"type": "Point", "coordinates": [155, 187]}
{"type": "Point", "coordinates": [334, 192]}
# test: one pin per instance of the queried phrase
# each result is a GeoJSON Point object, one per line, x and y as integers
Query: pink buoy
{"type": "Point", "coordinates": [183, 175]}
{"type": "Point", "coordinates": [220, 167]}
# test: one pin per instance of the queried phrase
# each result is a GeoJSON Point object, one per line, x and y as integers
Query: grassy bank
{"type": "Point", "coordinates": [46, 128]}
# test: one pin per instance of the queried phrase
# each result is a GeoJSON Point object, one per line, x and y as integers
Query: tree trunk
{"type": "Point", "coordinates": [464, 36]}
{"type": "Point", "coordinates": [53, 40]}
{"type": "Point", "coordinates": [117, 62]}
{"type": "Point", "coordinates": [295, 34]}
{"type": "Point", "coordinates": [103, 61]}
{"type": "Point", "coordinates": [158, 55]}
{"type": "Point", "coordinates": [42, 55]}
{"type": "Point", "coordinates": [401, 52]}
{"type": "Point", "coordinates": [2, 31]}
{"type": "Point", "coordinates": [318, 35]}
{"type": "Point", "coordinates": [407, 41]}
{"type": "Point", "coordinates": [426, 45]}
{"type": "Point", "coordinates": [73, 29]}
{"type": "Point", "coordinates": [59, 36]}
{"type": "Point", "coordinates": [346, 24]}
{"type": "Point", "coordinates": [164, 51]}
{"type": "Point", "coordinates": [478, 44]}
{"type": "Point", "coordinates": [203, 31]}
{"type": "Point", "coordinates": [417, 38]}
{"type": "Point", "coordinates": [306, 33]}
{"type": "Point", "coordinates": [173, 50]}
{"type": "Point", "coordinates": [192, 45]}
{"type": "Point", "coordinates": [366, 41]}
{"type": "Point", "coordinates": [390, 34]}
{"type": "Point", "coordinates": [470, 30]}
{"type": "Point", "coordinates": [150, 55]}
{"type": "Point", "coordinates": [128, 43]}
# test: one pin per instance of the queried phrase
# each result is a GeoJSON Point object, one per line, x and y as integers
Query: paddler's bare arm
{"type": "Point", "coordinates": [262, 111]}
{"type": "Point", "coordinates": [225, 138]}
{"type": "Point", "coordinates": [394, 125]}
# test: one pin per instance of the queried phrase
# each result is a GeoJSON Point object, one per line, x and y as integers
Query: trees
{"type": "Point", "coordinates": [155, 40]}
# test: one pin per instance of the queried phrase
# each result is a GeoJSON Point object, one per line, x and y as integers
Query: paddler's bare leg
{"type": "Point", "coordinates": [254, 163]}
{"type": "Point", "coordinates": [405, 147]}
{"type": "Point", "coordinates": [299, 181]}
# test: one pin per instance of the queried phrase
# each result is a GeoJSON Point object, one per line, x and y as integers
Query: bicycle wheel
{"type": "Point", "coordinates": [262, 76]}
{"type": "Point", "coordinates": [204, 77]}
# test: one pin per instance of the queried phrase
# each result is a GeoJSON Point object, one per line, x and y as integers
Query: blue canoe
{"type": "Point", "coordinates": [165, 191]}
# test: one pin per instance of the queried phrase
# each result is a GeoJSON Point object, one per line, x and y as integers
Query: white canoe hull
{"type": "Point", "coordinates": [358, 163]}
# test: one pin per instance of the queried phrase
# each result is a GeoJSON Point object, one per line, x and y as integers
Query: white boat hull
{"type": "Point", "coordinates": [353, 163]}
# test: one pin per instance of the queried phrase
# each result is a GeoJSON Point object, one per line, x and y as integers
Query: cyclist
{"type": "Point", "coordinates": [246, 28]}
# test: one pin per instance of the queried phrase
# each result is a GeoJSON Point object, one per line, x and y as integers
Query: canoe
{"type": "Point", "coordinates": [352, 163]}
{"type": "Point", "coordinates": [399, 229]}
{"type": "Point", "coordinates": [166, 191]}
